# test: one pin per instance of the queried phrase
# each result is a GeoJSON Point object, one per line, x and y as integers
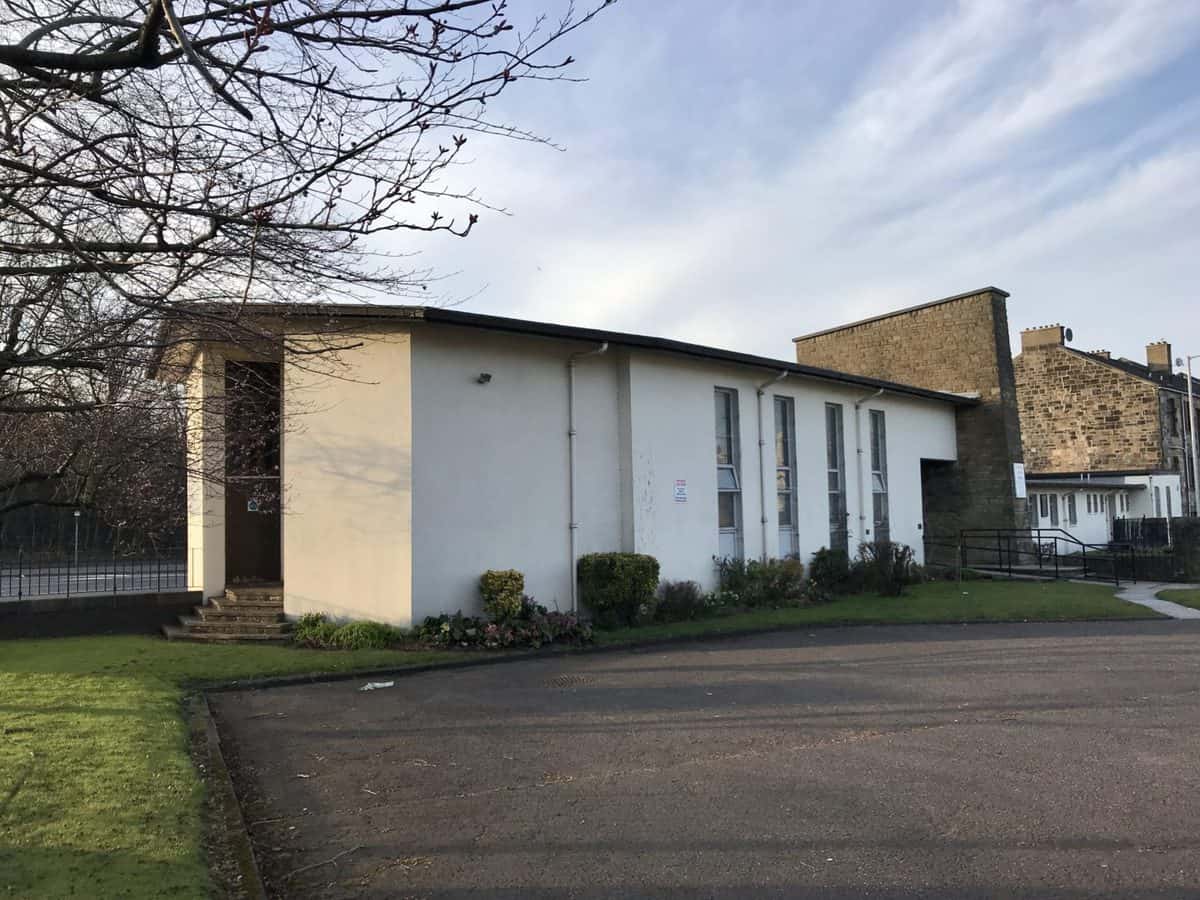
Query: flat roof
{"type": "Point", "coordinates": [1085, 476]}
{"type": "Point", "coordinates": [444, 316]}
{"type": "Point", "coordinates": [899, 312]}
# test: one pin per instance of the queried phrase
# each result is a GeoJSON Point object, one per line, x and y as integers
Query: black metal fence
{"type": "Point", "coordinates": [25, 573]}
{"type": "Point", "coordinates": [1161, 532]}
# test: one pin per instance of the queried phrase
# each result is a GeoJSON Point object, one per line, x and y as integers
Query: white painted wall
{"type": "Point", "coordinates": [347, 473]}
{"type": "Point", "coordinates": [1090, 527]}
{"type": "Point", "coordinates": [672, 435]}
{"type": "Point", "coordinates": [204, 388]}
{"type": "Point", "coordinates": [1143, 501]}
{"type": "Point", "coordinates": [490, 464]}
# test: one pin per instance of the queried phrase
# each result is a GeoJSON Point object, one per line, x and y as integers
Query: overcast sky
{"type": "Point", "coordinates": [740, 173]}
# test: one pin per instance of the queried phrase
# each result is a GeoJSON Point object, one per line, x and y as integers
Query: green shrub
{"type": "Point", "coordinates": [828, 572]}
{"type": "Point", "coordinates": [887, 567]}
{"type": "Point", "coordinates": [678, 601]}
{"type": "Point", "coordinates": [535, 627]}
{"type": "Point", "coordinates": [367, 636]}
{"type": "Point", "coordinates": [618, 587]}
{"type": "Point", "coordinates": [752, 582]}
{"type": "Point", "coordinates": [314, 630]}
{"type": "Point", "coordinates": [503, 591]}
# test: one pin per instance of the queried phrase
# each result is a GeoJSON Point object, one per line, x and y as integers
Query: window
{"type": "Point", "coordinates": [879, 487]}
{"type": "Point", "coordinates": [785, 475]}
{"type": "Point", "coordinates": [1157, 502]}
{"type": "Point", "coordinates": [835, 463]}
{"type": "Point", "coordinates": [1072, 515]}
{"type": "Point", "coordinates": [1053, 509]}
{"type": "Point", "coordinates": [729, 489]}
{"type": "Point", "coordinates": [1103, 502]}
{"type": "Point", "coordinates": [1090, 504]}
{"type": "Point", "coordinates": [1169, 512]}
{"type": "Point", "coordinates": [1044, 505]}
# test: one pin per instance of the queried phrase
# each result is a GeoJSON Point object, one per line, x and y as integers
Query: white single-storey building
{"type": "Point", "coordinates": [454, 443]}
{"type": "Point", "coordinates": [1086, 504]}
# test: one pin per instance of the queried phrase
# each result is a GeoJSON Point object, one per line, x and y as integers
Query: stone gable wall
{"type": "Point", "coordinates": [1080, 415]}
{"type": "Point", "coordinates": [960, 345]}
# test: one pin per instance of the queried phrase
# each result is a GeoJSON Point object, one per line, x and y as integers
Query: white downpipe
{"type": "Point", "coordinates": [573, 524]}
{"type": "Point", "coordinates": [858, 460]}
{"type": "Point", "coordinates": [1195, 485]}
{"type": "Point", "coordinates": [762, 473]}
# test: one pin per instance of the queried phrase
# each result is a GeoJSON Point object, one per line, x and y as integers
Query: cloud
{"type": "Point", "coordinates": [1040, 147]}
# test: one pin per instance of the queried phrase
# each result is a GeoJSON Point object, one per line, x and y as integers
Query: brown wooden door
{"type": "Point", "coordinates": [252, 531]}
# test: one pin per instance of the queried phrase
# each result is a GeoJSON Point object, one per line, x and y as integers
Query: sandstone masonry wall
{"type": "Point", "coordinates": [960, 345]}
{"type": "Point", "coordinates": [1081, 415]}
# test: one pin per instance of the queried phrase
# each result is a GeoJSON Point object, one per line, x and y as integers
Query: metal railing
{"type": "Point", "coordinates": [1044, 552]}
{"type": "Point", "coordinates": [25, 573]}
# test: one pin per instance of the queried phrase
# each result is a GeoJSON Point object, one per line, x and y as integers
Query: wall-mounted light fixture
{"type": "Point", "coordinates": [484, 377]}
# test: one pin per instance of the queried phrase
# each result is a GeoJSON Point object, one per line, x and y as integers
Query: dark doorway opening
{"type": "Point", "coordinates": [940, 508]}
{"type": "Point", "coordinates": [253, 494]}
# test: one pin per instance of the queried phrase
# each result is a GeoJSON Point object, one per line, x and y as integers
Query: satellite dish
{"type": "Point", "coordinates": [1069, 334]}
{"type": "Point", "coordinates": [1179, 362]}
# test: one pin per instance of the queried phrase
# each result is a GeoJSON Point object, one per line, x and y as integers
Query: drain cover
{"type": "Point", "coordinates": [570, 681]}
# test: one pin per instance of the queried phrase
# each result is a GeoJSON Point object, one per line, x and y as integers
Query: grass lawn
{"type": "Point", "coordinates": [939, 601]}
{"type": "Point", "coordinates": [1190, 597]}
{"type": "Point", "coordinates": [98, 796]}
{"type": "Point", "coordinates": [91, 730]}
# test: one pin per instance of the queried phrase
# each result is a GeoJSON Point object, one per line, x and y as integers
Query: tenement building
{"type": "Point", "coordinates": [1103, 438]}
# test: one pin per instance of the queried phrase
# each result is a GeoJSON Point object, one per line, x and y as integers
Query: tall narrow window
{"type": "Point", "coordinates": [1072, 514]}
{"type": "Point", "coordinates": [1044, 505]}
{"type": "Point", "coordinates": [729, 485]}
{"type": "Point", "coordinates": [1054, 510]}
{"type": "Point", "coordinates": [1170, 513]}
{"type": "Point", "coordinates": [835, 462]}
{"type": "Point", "coordinates": [785, 475]}
{"type": "Point", "coordinates": [1157, 502]}
{"type": "Point", "coordinates": [879, 485]}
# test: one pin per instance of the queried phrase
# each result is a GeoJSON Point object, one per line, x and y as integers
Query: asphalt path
{"type": "Point", "coordinates": [1044, 761]}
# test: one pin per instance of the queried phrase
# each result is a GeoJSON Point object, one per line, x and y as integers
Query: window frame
{"type": "Point", "coordinates": [1072, 509]}
{"type": "Point", "coordinates": [835, 452]}
{"type": "Point", "coordinates": [786, 498]}
{"type": "Point", "coordinates": [880, 512]}
{"type": "Point", "coordinates": [732, 467]}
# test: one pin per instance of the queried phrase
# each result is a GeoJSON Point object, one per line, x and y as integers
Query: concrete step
{"type": "Point", "coordinates": [179, 633]}
{"type": "Point", "coordinates": [246, 607]}
{"type": "Point", "coordinates": [239, 614]}
{"type": "Point", "coordinates": [255, 594]}
{"type": "Point", "coordinates": [232, 626]}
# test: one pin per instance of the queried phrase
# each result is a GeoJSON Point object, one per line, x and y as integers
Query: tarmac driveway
{"type": "Point", "coordinates": [979, 761]}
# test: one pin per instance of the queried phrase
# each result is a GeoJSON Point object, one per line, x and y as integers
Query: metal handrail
{"type": "Point", "coordinates": [1046, 544]}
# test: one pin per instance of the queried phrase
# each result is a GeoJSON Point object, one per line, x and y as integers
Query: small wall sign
{"type": "Point", "coordinates": [1019, 480]}
{"type": "Point", "coordinates": [251, 506]}
{"type": "Point", "coordinates": [681, 490]}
